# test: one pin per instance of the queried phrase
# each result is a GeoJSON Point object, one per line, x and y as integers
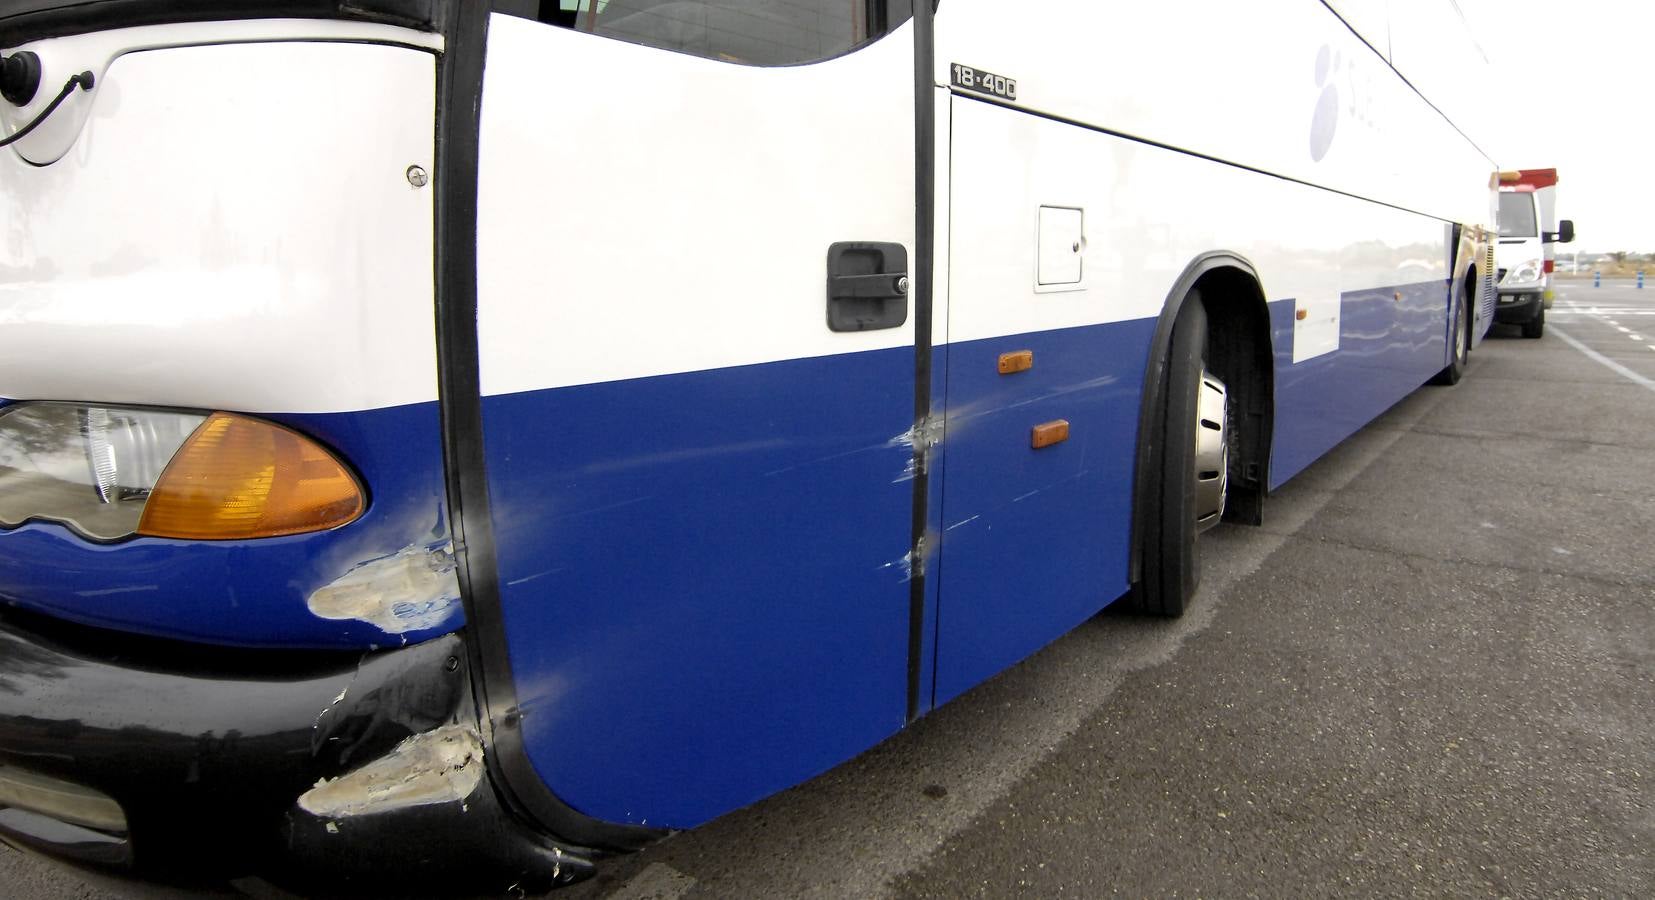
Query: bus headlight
{"type": "Point", "coordinates": [112, 473]}
{"type": "Point", "coordinates": [1527, 273]}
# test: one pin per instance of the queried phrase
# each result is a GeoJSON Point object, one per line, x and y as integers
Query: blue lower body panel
{"type": "Point", "coordinates": [1034, 542]}
{"type": "Point", "coordinates": [704, 578]}
{"type": "Point", "coordinates": [256, 593]}
{"type": "Point", "coordinates": [1388, 347]}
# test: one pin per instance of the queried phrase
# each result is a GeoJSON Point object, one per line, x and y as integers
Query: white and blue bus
{"type": "Point", "coordinates": [458, 440]}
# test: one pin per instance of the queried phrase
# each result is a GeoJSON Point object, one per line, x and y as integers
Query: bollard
{"type": "Point", "coordinates": [1640, 279]}
{"type": "Point", "coordinates": [1597, 279]}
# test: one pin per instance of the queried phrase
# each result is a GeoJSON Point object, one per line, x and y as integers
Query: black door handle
{"type": "Point", "coordinates": [867, 286]}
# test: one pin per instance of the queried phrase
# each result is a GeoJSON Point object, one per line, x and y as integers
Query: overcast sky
{"type": "Point", "coordinates": [1575, 89]}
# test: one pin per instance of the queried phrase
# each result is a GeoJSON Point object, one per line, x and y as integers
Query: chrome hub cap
{"type": "Point", "coordinates": [1212, 451]}
{"type": "Point", "coordinates": [1461, 345]}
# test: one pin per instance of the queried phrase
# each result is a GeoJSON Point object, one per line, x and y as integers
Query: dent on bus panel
{"type": "Point", "coordinates": [414, 589]}
{"type": "Point", "coordinates": [440, 766]}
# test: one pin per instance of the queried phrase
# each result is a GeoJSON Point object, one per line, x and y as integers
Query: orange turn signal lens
{"type": "Point", "coordinates": [239, 478]}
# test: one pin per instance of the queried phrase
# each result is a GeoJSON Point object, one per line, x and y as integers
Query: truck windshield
{"type": "Point", "coordinates": [1517, 215]}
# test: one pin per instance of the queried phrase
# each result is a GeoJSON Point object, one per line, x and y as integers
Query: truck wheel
{"type": "Point", "coordinates": [1537, 327]}
{"type": "Point", "coordinates": [1455, 369]}
{"type": "Point", "coordinates": [1192, 480]}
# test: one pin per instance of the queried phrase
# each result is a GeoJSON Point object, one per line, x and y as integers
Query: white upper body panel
{"type": "Point", "coordinates": [240, 211]}
{"type": "Point", "coordinates": [1283, 86]}
{"type": "Point", "coordinates": [94, 52]}
{"type": "Point", "coordinates": [644, 212]}
{"type": "Point", "coordinates": [672, 213]}
{"type": "Point", "coordinates": [1149, 212]}
{"type": "Point", "coordinates": [231, 227]}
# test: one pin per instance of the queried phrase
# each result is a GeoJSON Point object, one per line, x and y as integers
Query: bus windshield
{"type": "Point", "coordinates": [753, 32]}
{"type": "Point", "coordinates": [1517, 215]}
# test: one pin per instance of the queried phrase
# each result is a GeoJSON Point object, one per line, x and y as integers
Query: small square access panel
{"type": "Point", "coordinates": [1061, 245]}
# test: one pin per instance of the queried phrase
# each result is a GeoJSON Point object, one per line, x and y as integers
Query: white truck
{"type": "Point", "coordinates": [1525, 256]}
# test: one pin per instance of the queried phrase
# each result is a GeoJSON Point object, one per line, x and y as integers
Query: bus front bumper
{"type": "Point", "coordinates": [360, 774]}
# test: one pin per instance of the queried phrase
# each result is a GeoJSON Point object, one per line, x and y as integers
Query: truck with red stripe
{"type": "Point", "coordinates": [1525, 258]}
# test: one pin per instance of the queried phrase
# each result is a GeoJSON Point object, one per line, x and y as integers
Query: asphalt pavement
{"type": "Point", "coordinates": [1431, 672]}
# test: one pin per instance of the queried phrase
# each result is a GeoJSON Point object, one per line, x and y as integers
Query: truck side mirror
{"type": "Point", "coordinates": [1566, 231]}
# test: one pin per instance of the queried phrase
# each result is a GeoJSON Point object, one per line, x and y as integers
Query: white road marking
{"type": "Point", "coordinates": [1622, 329]}
{"type": "Point", "coordinates": [1636, 337]}
{"type": "Point", "coordinates": [1623, 371]}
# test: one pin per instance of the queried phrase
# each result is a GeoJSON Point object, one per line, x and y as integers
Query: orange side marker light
{"type": "Point", "coordinates": [238, 478]}
{"type": "Point", "coordinates": [1049, 433]}
{"type": "Point", "coordinates": [1016, 361]}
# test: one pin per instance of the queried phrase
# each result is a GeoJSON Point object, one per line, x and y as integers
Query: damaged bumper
{"type": "Point", "coordinates": [175, 763]}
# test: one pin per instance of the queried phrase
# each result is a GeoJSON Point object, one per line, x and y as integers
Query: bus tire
{"type": "Point", "coordinates": [1191, 481]}
{"type": "Point", "coordinates": [1455, 369]}
{"type": "Point", "coordinates": [1537, 326]}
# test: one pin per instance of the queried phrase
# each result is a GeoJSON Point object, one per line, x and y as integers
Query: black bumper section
{"type": "Point", "coordinates": [1520, 309]}
{"type": "Point", "coordinates": [208, 753]}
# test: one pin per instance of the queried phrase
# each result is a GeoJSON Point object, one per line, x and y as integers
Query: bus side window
{"type": "Point", "coordinates": [560, 12]}
{"type": "Point", "coordinates": [753, 32]}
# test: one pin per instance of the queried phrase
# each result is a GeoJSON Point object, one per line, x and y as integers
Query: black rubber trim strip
{"type": "Point", "coordinates": [460, 87]}
{"type": "Point", "coordinates": [925, 264]}
{"type": "Point", "coordinates": [1054, 117]}
{"type": "Point", "coordinates": [1155, 374]}
{"type": "Point", "coordinates": [1398, 72]}
{"type": "Point", "coordinates": [31, 20]}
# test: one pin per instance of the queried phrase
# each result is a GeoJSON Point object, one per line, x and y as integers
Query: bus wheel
{"type": "Point", "coordinates": [1462, 345]}
{"type": "Point", "coordinates": [1212, 449]}
{"type": "Point", "coordinates": [1537, 327]}
{"type": "Point", "coordinates": [1193, 473]}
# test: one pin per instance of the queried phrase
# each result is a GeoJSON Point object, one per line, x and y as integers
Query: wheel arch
{"type": "Point", "coordinates": [1240, 338]}
{"type": "Point", "coordinates": [1466, 249]}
